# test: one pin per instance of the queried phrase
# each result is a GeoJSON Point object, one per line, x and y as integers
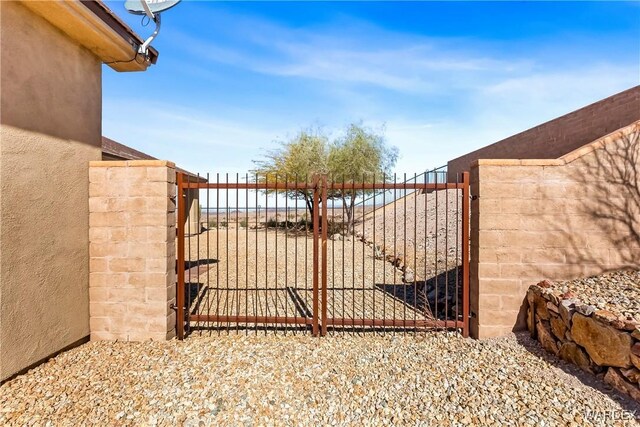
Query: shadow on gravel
{"type": "Point", "coordinates": [194, 294]}
{"type": "Point", "coordinates": [439, 297]}
{"type": "Point", "coordinates": [199, 297]}
{"type": "Point", "coordinates": [586, 378]}
{"type": "Point", "coordinates": [197, 263]}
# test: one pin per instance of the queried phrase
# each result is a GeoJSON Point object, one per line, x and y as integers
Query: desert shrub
{"type": "Point", "coordinates": [335, 227]}
{"type": "Point", "coordinates": [244, 222]}
{"type": "Point", "coordinates": [304, 223]}
{"type": "Point", "coordinates": [272, 223]}
{"type": "Point", "coordinates": [300, 225]}
{"type": "Point", "coordinates": [213, 223]}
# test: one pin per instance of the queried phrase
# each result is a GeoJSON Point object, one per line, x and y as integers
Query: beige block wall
{"type": "Point", "coordinates": [50, 128]}
{"type": "Point", "coordinates": [556, 219]}
{"type": "Point", "coordinates": [132, 248]}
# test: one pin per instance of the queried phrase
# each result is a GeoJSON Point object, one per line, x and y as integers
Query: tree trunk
{"type": "Point", "coordinates": [349, 211]}
{"type": "Point", "coordinates": [309, 201]}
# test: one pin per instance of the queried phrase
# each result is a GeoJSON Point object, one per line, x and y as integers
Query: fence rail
{"type": "Point", "coordinates": [282, 255]}
{"type": "Point", "coordinates": [435, 175]}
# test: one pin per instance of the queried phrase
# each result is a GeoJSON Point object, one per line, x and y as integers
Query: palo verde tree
{"type": "Point", "coordinates": [361, 154]}
{"type": "Point", "coordinates": [297, 159]}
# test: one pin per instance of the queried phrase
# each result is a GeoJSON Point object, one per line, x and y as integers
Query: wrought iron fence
{"type": "Point", "coordinates": [303, 255]}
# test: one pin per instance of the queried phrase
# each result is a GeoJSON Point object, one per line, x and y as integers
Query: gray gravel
{"type": "Point", "coordinates": [432, 379]}
{"type": "Point", "coordinates": [618, 292]}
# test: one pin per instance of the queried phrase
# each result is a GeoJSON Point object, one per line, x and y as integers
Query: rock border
{"type": "Point", "coordinates": [600, 342]}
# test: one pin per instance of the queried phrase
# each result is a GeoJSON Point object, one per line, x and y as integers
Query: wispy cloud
{"type": "Point", "coordinates": [353, 53]}
{"type": "Point", "coordinates": [520, 102]}
{"type": "Point", "coordinates": [194, 139]}
{"type": "Point", "coordinates": [439, 97]}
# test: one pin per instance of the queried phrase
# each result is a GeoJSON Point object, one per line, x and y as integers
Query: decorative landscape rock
{"type": "Point", "coordinates": [541, 307]}
{"type": "Point", "coordinates": [596, 327]}
{"type": "Point", "coordinates": [586, 310]}
{"type": "Point", "coordinates": [635, 360]}
{"type": "Point", "coordinates": [546, 284]}
{"type": "Point", "coordinates": [608, 317]}
{"type": "Point", "coordinates": [615, 379]}
{"type": "Point", "coordinates": [571, 352]}
{"type": "Point", "coordinates": [618, 292]}
{"type": "Point", "coordinates": [378, 252]}
{"type": "Point", "coordinates": [566, 309]}
{"type": "Point", "coordinates": [545, 337]}
{"type": "Point", "coordinates": [635, 349]}
{"type": "Point", "coordinates": [605, 345]}
{"type": "Point", "coordinates": [558, 327]}
{"type": "Point", "coordinates": [408, 276]}
{"type": "Point", "coordinates": [567, 336]}
{"type": "Point", "coordinates": [632, 374]}
{"type": "Point", "coordinates": [531, 320]}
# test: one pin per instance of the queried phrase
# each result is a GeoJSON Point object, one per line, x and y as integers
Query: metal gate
{"type": "Point", "coordinates": [262, 253]}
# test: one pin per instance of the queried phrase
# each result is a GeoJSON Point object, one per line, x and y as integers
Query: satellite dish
{"type": "Point", "coordinates": [137, 7]}
{"type": "Point", "coordinates": [152, 9]}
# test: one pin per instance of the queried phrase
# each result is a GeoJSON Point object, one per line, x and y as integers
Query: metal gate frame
{"type": "Point", "coordinates": [319, 319]}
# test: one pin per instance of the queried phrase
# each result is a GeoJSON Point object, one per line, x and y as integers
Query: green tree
{"type": "Point", "coordinates": [296, 160]}
{"type": "Point", "coordinates": [361, 154]}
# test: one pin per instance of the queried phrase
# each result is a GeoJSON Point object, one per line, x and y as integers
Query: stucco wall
{"type": "Point", "coordinates": [560, 136]}
{"type": "Point", "coordinates": [551, 219]}
{"type": "Point", "coordinates": [50, 115]}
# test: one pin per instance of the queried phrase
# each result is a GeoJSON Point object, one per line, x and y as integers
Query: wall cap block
{"type": "Point", "coordinates": [131, 163]}
{"type": "Point", "coordinates": [567, 158]}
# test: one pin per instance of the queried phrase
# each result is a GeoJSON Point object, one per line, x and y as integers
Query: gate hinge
{"type": "Point", "coordinates": [474, 197]}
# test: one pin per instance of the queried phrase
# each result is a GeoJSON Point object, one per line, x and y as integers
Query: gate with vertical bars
{"type": "Point", "coordinates": [267, 254]}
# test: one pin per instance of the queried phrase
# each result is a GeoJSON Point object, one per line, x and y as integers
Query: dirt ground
{"type": "Point", "coordinates": [265, 272]}
{"type": "Point", "coordinates": [260, 263]}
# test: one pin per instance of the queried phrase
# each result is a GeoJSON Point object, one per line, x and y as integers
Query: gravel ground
{"type": "Point", "coordinates": [410, 271]}
{"type": "Point", "coordinates": [268, 273]}
{"type": "Point", "coordinates": [618, 292]}
{"type": "Point", "coordinates": [429, 379]}
{"type": "Point", "coordinates": [423, 228]}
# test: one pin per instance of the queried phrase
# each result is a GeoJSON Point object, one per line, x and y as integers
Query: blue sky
{"type": "Point", "coordinates": [442, 78]}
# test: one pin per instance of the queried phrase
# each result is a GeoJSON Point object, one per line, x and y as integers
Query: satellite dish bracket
{"type": "Point", "coordinates": [144, 47]}
{"type": "Point", "coordinates": [151, 9]}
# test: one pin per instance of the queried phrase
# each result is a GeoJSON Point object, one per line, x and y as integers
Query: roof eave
{"type": "Point", "coordinates": [126, 153]}
{"type": "Point", "coordinates": [94, 26]}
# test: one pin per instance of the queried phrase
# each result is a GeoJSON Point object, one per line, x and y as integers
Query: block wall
{"type": "Point", "coordinates": [132, 250]}
{"type": "Point", "coordinates": [551, 219]}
